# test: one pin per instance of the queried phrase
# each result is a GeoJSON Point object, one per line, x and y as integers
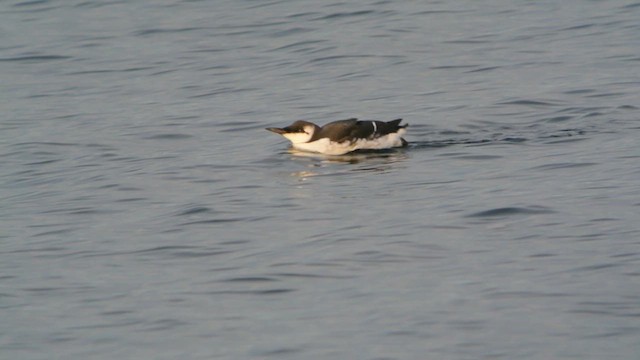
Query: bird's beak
{"type": "Point", "coordinates": [277, 130]}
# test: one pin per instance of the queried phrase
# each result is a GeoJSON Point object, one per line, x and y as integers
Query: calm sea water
{"type": "Point", "coordinates": [146, 214]}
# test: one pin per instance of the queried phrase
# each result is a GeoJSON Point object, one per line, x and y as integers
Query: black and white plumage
{"type": "Point", "coordinates": [343, 136]}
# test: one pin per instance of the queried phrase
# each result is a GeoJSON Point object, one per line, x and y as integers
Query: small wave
{"type": "Point", "coordinates": [292, 31]}
{"type": "Point", "coordinates": [338, 15]}
{"type": "Point", "coordinates": [169, 137]}
{"type": "Point", "coordinates": [500, 135]}
{"type": "Point", "coordinates": [298, 44]}
{"type": "Point", "coordinates": [31, 3]}
{"type": "Point", "coordinates": [106, 71]}
{"type": "Point", "coordinates": [528, 102]}
{"type": "Point", "coordinates": [340, 57]}
{"type": "Point", "coordinates": [449, 67]}
{"type": "Point", "coordinates": [195, 210]}
{"type": "Point", "coordinates": [182, 251]}
{"type": "Point", "coordinates": [448, 142]}
{"type": "Point", "coordinates": [250, 279]}
{"type": "Point", "coordinates": [213, 221]}
{"type": "Point", "coordinates": [479, 157]}
{"type": "Point", "coordinates": [35, 58]}
{"type": "Point", "coordinates": [156, 31]}
{"type": "Point", "coordinates": [562, 166]}
{"type": "Point", "coordinates": [221, 91]}
{"type": "Point", "coordinates": [483, 69]}
{"type": "Point", "coordinates": [279, 352]}
{"type": "Point", "coordinates": [510, 211]}
{"type": "Point", "coordinates": [631, 6]}
{"type": "Point", "coordinates": [556, 119]}
{"type": "Point", "coordinates": [248, 292]}
{"type": "Point", "coordinates": [33, 6]}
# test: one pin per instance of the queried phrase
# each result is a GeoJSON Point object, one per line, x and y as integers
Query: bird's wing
{"type": "Point", "coordinates": [336, 130]}
{"type": "Point", "coordinates": [372, 129]}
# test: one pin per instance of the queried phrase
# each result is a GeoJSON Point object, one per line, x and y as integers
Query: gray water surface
{"type": "Point", "coordinates": [146, 214]}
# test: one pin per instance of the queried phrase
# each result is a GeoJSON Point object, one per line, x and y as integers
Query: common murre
{"type": "Point", "coordinates": [343, 136]}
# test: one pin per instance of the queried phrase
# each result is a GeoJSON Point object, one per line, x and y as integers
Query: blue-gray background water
{"type": "Point", "coordinates": [146, 214]}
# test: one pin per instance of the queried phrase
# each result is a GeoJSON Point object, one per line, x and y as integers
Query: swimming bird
{"type": "Point", "coordinates": [344, 136]}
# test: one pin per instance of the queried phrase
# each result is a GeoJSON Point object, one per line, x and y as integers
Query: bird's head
{"type": "Point", "coordinates": [299, 132]}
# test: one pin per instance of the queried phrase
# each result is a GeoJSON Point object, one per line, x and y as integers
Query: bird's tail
{"type": "Point", "coordinates": [396, 124]}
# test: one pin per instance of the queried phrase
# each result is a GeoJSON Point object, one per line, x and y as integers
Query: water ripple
{"type": "Point", "coordinates": [562, 166]}
{"type": "Point", "coordinates": [29, 59]}
{"type": "Point", "coordinates": [511, 211]}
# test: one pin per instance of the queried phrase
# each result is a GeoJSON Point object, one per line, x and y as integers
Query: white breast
{"type": "Point", "coordinates": [326, 146]}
